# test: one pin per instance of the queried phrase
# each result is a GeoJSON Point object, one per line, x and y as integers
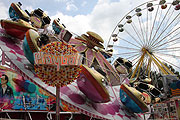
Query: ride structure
{"type": "Point", "coordinates": [75, 69]}
{"type": "Point", "coordinates": [23, 56]}
{"type": "Point", "coordinates": [148, 36]}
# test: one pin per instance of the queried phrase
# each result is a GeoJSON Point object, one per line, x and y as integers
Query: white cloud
{"type": "Point", "coordinates": [28, 8]}
{"type": "Point", "coordinates": [46, 12]}
{"type": "Point", "coordinates": [106, 15]}
{"type": "Point", "coordinates": [71, 7]}
{"type": "Point", "coordinates": [84, 3]}
{"type": "Point", "coordinates": [78, 24]}
{"type": "Point", "coordinates": [101, 20]}
{"type": "Point", "coordinates": [4, 11]}
{"type": "Point", "coordinates": [60, 0]}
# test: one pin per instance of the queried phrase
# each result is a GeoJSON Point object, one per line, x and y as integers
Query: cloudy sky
{"type": "Point", "coordinates": [80, 16]}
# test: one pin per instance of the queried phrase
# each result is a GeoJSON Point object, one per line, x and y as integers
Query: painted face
{"type": "Point", "coordinates": [3, 81]}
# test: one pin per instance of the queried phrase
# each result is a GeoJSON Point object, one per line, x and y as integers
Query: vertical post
{"type": "Point", "coordinates": [140, 60]}
{"type": "Point", "coordinates": [57, 102]}
{"type": "Point", "coordinates": [159, 66]}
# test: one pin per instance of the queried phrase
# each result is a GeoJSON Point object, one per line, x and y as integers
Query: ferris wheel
{"type": "Point", "coordinates": [149, 37]}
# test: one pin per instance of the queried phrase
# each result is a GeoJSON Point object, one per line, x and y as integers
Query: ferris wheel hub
{"type": "Point", "coordinates": [146, 49]}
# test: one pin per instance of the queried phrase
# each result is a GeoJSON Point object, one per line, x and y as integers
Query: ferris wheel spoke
{"type": "Point", "coordinates": [165, 49]}
{"type": "Point", "coordinates": [164, 40]}
{"type": "Point", "coordinates": [170, 40]}
{"type": "Point", "coordinates": [133, 57]}
{"type": "Point", "coordinates": [135, 30]}
{"type": "Point", "coordinates": [155, 43]}
{"type": "Point", "coordinates": [145, 62]}
{"type": "Point", "coordinates": [144, 30]}
{"type": "Point", "coordinates": [133, 37]}
{"type": "Point", "coordinates": [154, 66]}
{"type": "Point", "coordinates": [136, 59]}
{"type": "Point", "coordinates": [142, 33]}
{"type": "Point", "coordinates": [168, 19]}
{"type": "Point", "coordinates": [170, 55]}
{"type": "Point", "coordinates": [169, 49]}
{"type": "Point", "coordinates": [165, 27]}
{"type": "Point", "coordinates": [160, 14]}
{"type": "Point", "coordinates": [151, 32]}
{"type": "Point", "coordinates": [124, 47]}
{"type": "Point", "coordinates": [167, 36]}
{"type": "Point", "coordinates": [156, 24]}
{"type": "Point", "coordinates": [127, 56]}
{"type": "Point", "coordinates": [126, 53]}
{"type": "Point", "coordinates": [175, 43]}
{"type": "Point", "coordinates": [145, 67]}
{"type": "Point", "coordinates": [148, 69]}
{"type": "Point", "coordinates": [170, 16]}
{"type": "Point", "coordinates": [147, 27]}
{"type": "Point", "coordinates": [168, 62]}
{"type": "Point", "coordinates": [129, 42]}
{"type": "Point", "coordinates": [160, 26]}
{"type": "Point", "coordinates": [138, 67]}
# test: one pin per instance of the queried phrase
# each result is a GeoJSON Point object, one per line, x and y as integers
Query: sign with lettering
{"type": "Point", "coordinates": [64, 60]}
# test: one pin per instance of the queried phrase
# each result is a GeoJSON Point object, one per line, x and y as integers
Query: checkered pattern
{"type": "Point", "coordinates": [70, 94]}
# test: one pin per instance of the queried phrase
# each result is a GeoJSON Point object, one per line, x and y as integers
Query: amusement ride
{"type": "Point", "coordinates": [135, 76]}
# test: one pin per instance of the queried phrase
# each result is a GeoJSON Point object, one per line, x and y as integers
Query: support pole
{"type": "Point", "coordinates": [141, 59]}
{"type": "Point", "coordinates": [139, 68]}
{"type": "Point", "coordinates": [170, 72]}
{"type": "Point", "coordinates": [159, 66]}
{"type": "Point", "coordinates": [57, 102]}
{"type": "Point", "coordinates": [148, 70]}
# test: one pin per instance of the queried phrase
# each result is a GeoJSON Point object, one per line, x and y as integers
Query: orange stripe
{"type": "Point", "coordinates": [31, 45]}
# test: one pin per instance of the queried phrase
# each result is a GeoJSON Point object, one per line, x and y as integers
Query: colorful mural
{"type": "Point", "coordinates": [19, 94]}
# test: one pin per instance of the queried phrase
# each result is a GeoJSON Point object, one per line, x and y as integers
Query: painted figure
{"type": "Point", "coordinates": [5, 90]}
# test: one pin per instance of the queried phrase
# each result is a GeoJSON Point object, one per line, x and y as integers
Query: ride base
{"type": "Point", "coordinates": [41, 115]}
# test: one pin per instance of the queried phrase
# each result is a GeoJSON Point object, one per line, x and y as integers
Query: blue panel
{"type": "Point", "coordinates": [55, 28]}
{"type": "Point", "coordinates": [13, 14]}
{"type": "Point", "coordinates": [27, 51]}
{"type": "Point", "coordinates": [129, 103]}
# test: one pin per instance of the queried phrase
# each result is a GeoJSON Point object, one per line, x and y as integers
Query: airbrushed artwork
{"type": "Point", "coordinates": [20, 94]}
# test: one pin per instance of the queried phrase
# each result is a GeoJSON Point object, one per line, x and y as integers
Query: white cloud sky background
{"type": "Point", "coordinates": [80, 16]}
